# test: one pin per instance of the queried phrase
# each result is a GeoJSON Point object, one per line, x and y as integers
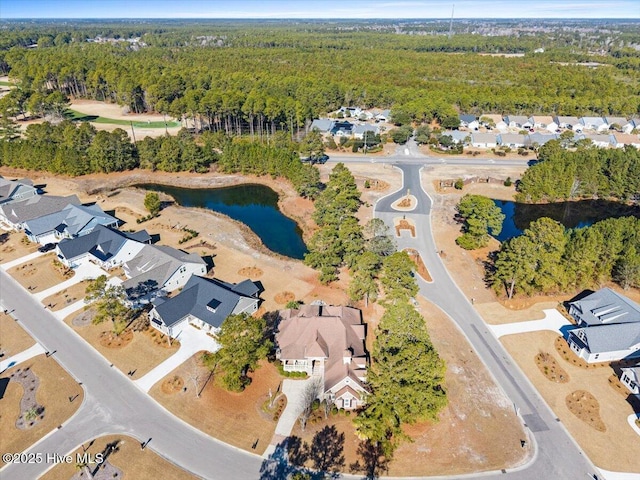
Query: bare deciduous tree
{"type": "Point", "coordinates": [311, 392]}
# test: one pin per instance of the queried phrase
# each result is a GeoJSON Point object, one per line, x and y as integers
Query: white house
{"type": "Point", "coordinates": [598, 124]}
{"type": "Point", "coordinates": [518, 121]}
{"type": "Point", "coordinates": [606, 343]}
{"type": "Point", "coordinates": [630, 378]}
{"type": "Point", "coordinates": [326, 342]}
{"type": "Point", "coordinates": [622, 139]}
{"type": "Point", "coordinates": [542, 122]}
{"type": "Point", "coordinates": [158, 269]}
{"type": "Point", "coordinates": [457, 136]}
{"type": "Point", "coordinates": [353, 112]}
{"type": "Point", "coordinates": [616, 123]}
{"type": "Point", "coordinates": [359, 131]}
{"type": "Point", "coordinates": [469, 121]}
{"type": "Point", "coordinates": [631, 125]}
{"type": "Point", "coordinates": [568, 122]}
{"type": "Point", "coordinates": [14, 214]}
{"type": "Point", "coordinates": [512, 140]}
{"type": "Point", "coordinates": [600, 140]}
{"type": "Point", "coordinates": [104, 246]}
{"type": "Point", "coordinates": [494, 121]}
{"type": "Point", "coordinates": [383, 116]}
{"type": "Point", "coordinates": [484, 140]}
{"type": "Point", "coordinates": [16, 190]}
{"type": "Point", "coordinates": [205, 303]}
{"type": "Point", "coordinates": [604, 307]}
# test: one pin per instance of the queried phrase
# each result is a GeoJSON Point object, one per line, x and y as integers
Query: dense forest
{"type": "Point", "coordinates": [546, 258]}
{"type": "Point", "coordinates": [586, 172]}
{"type": "Point", "coordinates": [261, 78]}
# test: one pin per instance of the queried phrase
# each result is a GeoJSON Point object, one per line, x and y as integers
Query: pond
{"type": "Point", "coordinates": [254, 205]}
{"type": "Point", "coordinates": [576, 214]}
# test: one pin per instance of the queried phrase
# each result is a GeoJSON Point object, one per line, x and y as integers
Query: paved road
{"type": "Point", "coordinates": [113, 404]}
{"type": "Point", "coordinates": [556, 456]}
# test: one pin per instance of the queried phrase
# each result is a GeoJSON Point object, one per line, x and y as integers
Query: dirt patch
{"type": "Point", "coordinates": [613, 407]}
{"type": "Point", "coordinates": [14, 245]}
{"type": "Point", "coordinates": [235, 418]}
{"type": "Point", "coordinates": [250, 272]}
{"type": "Point", "coordinates": [111, 340]}
{"type": "Point", "coordinates": [40, 273]}
{"type": "Point", "coordinates": [283, 298]}
{"type": "Point", "coordinates": [66, 297]}
{"type": "Point", "coordinates": [57, 392]}
{"type": "Point", "coordinates": [550, 368]}
{"type": "Point", "coordinates": [420, 266]}
{"type": "Point", "coordinates": [585, 406]}
{"type": "Point", "coordinates": [127, 457]}
{"type": "Point", "coordinates": [172, 385]}
{"type": "Point", "coordinates": [13, 338]}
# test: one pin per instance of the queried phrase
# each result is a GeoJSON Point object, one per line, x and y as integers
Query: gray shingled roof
{"type": "Point", "coordinates": [198, 294]}
{"type": "Point", "coordinates": [15, 188]}
{"type": "Point", "coordinates": [611, 338]}
{"type": "Point", "coordinates": [103, 242]}
{"type": "Point", "coordinates": [322, 124]}
{"type": "Point", "coordinates": [72, 219]}
{"type": "Point", "coordinates": [36, 206]}
{"type": "Point", "coordinates": [607, 306]}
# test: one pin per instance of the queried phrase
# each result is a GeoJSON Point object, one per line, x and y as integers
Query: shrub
{"type": "Point", "coordinates": [367, 184]}
{"type": "Point", "coordinates": [508, 182]}
{"type": "Point", "coordinates": [459, 185]}
{"type": "Point", "coordinates": [468, 242]}
{"type": "Point", "coordinates": [501, 153]}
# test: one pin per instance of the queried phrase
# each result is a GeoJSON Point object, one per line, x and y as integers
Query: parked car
{"type": "Point", "coordinates": [47, 247]}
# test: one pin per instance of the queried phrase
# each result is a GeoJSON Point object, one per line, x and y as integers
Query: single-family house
{"type": "Point", "coordinates": [14, 214]}
{"type": "Point", "coordinates": [630, 378]}
{"type": "Point", "coordinates": [72, 221]}
{"type": "Point", "coordinates": [359, 131]}
{"type": "Point", "coordinates": [539, 139]}
{"type": "Point", "coordinates": [16, 190]}
{"type": "Point", "coordinates": [484, 140]}
{"type": "Point", "coordinates": [326, 342]}
{"type": "Point", "coordinates": [457, 136]}
{"type": "Point", "coordinates": [604, 307]}
{"type": "Point", "coordinates": [616, 123]}
{"type": "Point", "coordinates": [383, 116]}
{"type": "Point", "coordinates": [603, 140]}
{"type": "Point", "coordinates": [469, 121]}
{"type": "Point", "coordinates": [518, 121]}
{"type": "Point", "coordinates": [322, 125]}
{"type": "Point", "coordinates": [568, 122]}
{"type": "Point", "coordinates": [494, 121]}
{"type": "Point", "coordinates": [544, 122]}
{"type": "Point", "coordinates": [631, 125]}
{"type": "Point", "coordinates": [606, 343]}
{"type": "Point", "coordinates": [104, 246]}
{"type": "Point", "coordinates": [341, 129]}
{"type": "Point", "coordinates": [512, 140]}
{"type": "Point", "coordinates": [204, 303]}
{"type": "Point", "coordinates": [353, 112]}
{"type": "Point", "coordinates": [158, 269]}
{"type": "Point", "coordinates": [598, 124]}
{"type": "Point", "coordinates": [622, 139]}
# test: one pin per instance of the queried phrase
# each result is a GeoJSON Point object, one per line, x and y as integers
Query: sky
{"type": "Point", "coordinates": [351, 9]}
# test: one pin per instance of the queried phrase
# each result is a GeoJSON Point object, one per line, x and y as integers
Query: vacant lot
{"type": "Point", "coordinates": [134, 462]}
{"type": "Point", "coordinates": [39, 274]}
{"type": "Point", "coordinates": [15, 245]}
{"type": "Point", "coordinates": [140, 355]}
{"type": "Point", "coordinates": [55, 390]}
{"type": "Point", "coordinates": [614, 409]}
{"type": "Point", "coordinates": [13, 338]}
{"type": "Point", "coordinates": [234, 418]}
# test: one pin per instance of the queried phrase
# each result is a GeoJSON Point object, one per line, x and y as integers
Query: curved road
{"type": "Point", "coordinates": [556, 456]}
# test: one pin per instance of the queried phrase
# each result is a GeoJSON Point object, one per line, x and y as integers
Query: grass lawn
{"type": "Point", "coordinates": [234, 418]}
{"type": "Point", "coordinates": [13, 338]}
{"type": "Point", "coordinates": [134, 462]}
{"type": "Point", "coordinates": [55, 388]}
{"type": "Point", "coordinates": [82, 117]}
{"type": "Point", "coordinates": [66, 297]}
{"type": "Point", "coordinates": [38, 274]}
{"type": "Point", "coordinates": [15, 245]}
{"type": "Point", "coordinates": [613, 407]}
{"type": "Point", "coordinates": [141, 354]}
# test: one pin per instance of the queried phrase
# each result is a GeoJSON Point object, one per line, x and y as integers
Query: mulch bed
{"type": "Point", "coordinates": [420, 266]}
{"type": "Point", "coordinates": [29, 382]}
{"type": "Point", "coordinates": [565, 352]}
{"type": "Point", "coordinates": [250, 272]}
{"type": "Point", "coordinates": [111, 340]}
{"type": "Point", "coordinates": [284, 297]}
{"type": "Point", "coordinates": [84, 318]}
{"type": "Point", "coordinates": [550, 368]}
{"type": "Point", "coordinates": [405, 225]}
{"type": "Point", "coordinates": [172, 385]}
{"type": "Point", "coordinates": [585, 406]}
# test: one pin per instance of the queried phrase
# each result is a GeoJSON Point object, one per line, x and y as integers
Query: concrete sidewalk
{"type": "Point", "coordinates": [85, 271]}
{"type": "Point", "coordinates": [7, 265]}
{"type": "Point", "coordinates": [23, 356]}
{"type": "Point", "coordinates": [191, 342]}
{"type": "Point", "coordinates": [553, 320]}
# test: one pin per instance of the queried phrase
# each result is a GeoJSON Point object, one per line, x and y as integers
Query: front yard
{"type": "Point", "coordinates": [40, 273]}
{"type": "Point", "coordinates": [13, 338]}
{"type": "Point", "coordinates": [56, 391]}
{"type": "Point", "coordinates": [14, 245]}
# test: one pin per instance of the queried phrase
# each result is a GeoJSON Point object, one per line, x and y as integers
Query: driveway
{"type": "Point", "coordinates": [192, 341]}
{"type": "Point", "coordinates": [85, 271]}
{"type": "Point", "coordinates": [7, 265]}
{"type": "Point", "coordinates": [553, 320]}
{"type": "Point", "coordinates": [23, 356]}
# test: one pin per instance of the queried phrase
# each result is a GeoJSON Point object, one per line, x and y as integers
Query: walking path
{"type": "Point", "coordinates": [7, 265]}
{"type": "Point", "coordinates": [553, 320]}
{"type": "Point", "coordinates": [85, 271]}
{"type": "Point", "coordinates": [191, 341]}
{"type": "Point", "coordinates": [23, 356]}
{"type": "Point", "coordinates": [293, 389]}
